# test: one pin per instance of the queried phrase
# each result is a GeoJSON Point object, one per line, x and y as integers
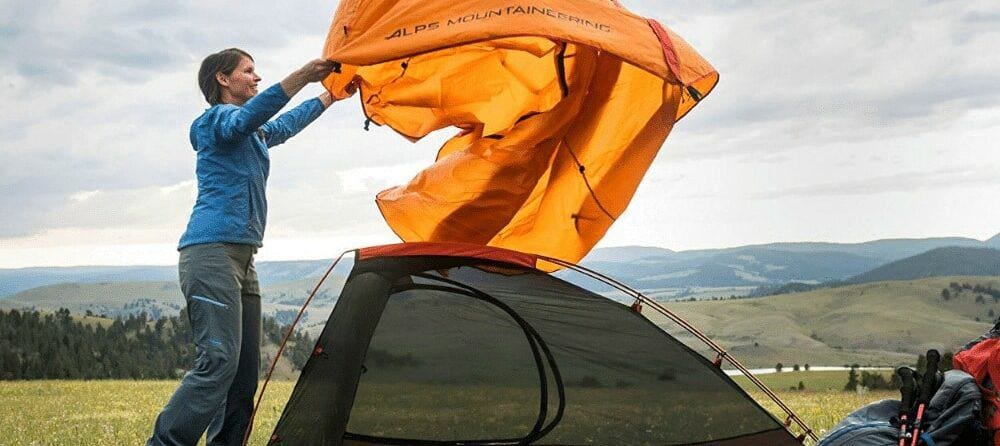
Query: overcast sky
{"type": "Point", "coordinates": [841, 121]}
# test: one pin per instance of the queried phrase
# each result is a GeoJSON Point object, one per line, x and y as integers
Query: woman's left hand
{"type": "Point", "coordinates": [327, 99]}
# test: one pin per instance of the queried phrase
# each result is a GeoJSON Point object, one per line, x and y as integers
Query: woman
{"type": "Point", "coordinates": [217, 275]}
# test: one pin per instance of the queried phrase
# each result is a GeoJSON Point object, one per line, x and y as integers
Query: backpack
{"type": "Point", "coordinates": [953, 418]}
{"type": "Point", "coordinates": [981, 359]}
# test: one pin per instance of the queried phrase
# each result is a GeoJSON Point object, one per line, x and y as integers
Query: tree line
{"type": "Point", "coordinates": [954, 289]}
{"type": "Point", "coordinates": [877, 381]}
{"type": "Point", "coordinates": [36, 345]}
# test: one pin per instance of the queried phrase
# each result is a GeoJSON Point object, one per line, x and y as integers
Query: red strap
{"type": "Point", "coordinates": [449, 249]}
{"type": "Point", "coordinates": [637, 307]}
{"type": "Point", "coordinates": [668, 48]}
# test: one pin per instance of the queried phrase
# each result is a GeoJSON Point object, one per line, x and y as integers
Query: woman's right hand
{"type": "Point", "coordinates": [316, 70]}
{"type": "Point", "coordinates": [313, 71]}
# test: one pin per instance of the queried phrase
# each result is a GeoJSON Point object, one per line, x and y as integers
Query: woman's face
{"type": "Point", "coordinates": [241, 84]}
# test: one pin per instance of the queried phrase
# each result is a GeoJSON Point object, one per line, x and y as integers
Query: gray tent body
{"type": "Point", "coordinates": [447, 344]}
{"type": "Point", "coordinates": [953, 418]}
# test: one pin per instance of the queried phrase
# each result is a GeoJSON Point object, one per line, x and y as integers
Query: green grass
{"type": "Point", "coordinates": [99, 412]}
{"type": "Point", "coordinates": [821, 410]}
{"type": "Point", "coordinates": [122, 412]}
{"type": "Point", "coordinates": [825, 381]}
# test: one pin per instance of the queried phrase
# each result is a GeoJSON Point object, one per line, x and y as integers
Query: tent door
{"type": "Point", "coordinates": [446, 356]}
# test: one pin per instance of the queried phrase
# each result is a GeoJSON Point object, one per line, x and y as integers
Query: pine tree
{"type": "Point", "coordinates": [852, 380]}
{"type": "Point", "coordinates": [35, 345]}
{"type": "Point", "coordinates": [946, 361]}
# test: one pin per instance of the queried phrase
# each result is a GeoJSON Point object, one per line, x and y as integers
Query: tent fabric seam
{"type": "Point", "coordinates": [450, 249]}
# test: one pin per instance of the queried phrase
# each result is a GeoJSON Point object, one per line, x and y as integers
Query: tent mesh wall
{"type": "Point", "coordinates": [435, 350]}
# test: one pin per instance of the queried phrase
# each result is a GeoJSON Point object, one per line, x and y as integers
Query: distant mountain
{"type": "Point", "coordinates": [627, 253]}
{"type": "Point", "coordinates": [643, 267]}
{"type": "Point", "coordinates": [772, 264]}
{"type": "Point", "coordinates": [950, 261]}
{"type": "Point", "coordinates": [736, 267]}
{"type": "Point", "coordinates": [883, 251]}
{"type": "Point", "coordinates": [994, 241]}
{"type": "Point", "coordinates": [15, 280]}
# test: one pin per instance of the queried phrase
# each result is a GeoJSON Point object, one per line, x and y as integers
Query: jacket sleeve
{"type": "Point", "coordinates": [292, 122]}
{"type": "Point", "coordinates": [239, 122]}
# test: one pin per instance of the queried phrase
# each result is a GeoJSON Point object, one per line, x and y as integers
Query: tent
{"type": "Point", "coordinates": [459, 344]}
{"type": "Point", "coordinates": [562, 106]}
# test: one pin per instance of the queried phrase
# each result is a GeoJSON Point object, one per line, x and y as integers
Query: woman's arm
{"type": "Point", "coordinates": [293, 121]}
{"type": "Point", "coordinates": [239, 122]}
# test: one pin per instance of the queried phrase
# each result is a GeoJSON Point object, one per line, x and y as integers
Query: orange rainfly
{"type": "Point", "coordinates": [562, 106]}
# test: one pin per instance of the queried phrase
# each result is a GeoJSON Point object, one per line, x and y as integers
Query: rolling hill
{"type": "Point", "coordinates": [647, 268]}
{"type": "Point", "coordinates": [280, 300]}
{"type": "Point", "coordinates": [880, 323]}
{"type": "Point", "coordinates": [14, 280]}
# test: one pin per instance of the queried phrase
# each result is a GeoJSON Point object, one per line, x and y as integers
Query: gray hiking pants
{"type": "Point", "coordinates": [223, 302]}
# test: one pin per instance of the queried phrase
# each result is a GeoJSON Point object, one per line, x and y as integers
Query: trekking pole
{"type": "Point", "coordinates": [926, 391]}
{"type": "Point", "coordinates": [906, 391]}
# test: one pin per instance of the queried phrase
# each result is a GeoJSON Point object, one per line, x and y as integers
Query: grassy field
{"type": "Point", "coordinates": [122, 412]}
{"type": "Point", "coordinates": [822, 404]}
{"type": "Point", "coordinates": [821, 381]}
{"type": "Point", "coordinates": [100, 412]}
{"type": "Point", "coordinates": [883, 323]}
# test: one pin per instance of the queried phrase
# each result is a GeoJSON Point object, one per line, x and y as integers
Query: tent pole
{"type": "Point", "coordinates": [792, 416]}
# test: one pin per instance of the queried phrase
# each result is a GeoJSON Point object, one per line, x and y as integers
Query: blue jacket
{"type": "Point", "coordinates": [232, 144]}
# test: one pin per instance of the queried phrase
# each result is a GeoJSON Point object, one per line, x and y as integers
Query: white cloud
{"type": "Point", "coordinates": [84, 195]}
{"type": "Point", "coordinates": [832, 121]}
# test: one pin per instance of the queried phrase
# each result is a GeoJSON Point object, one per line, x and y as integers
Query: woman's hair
{"type": "Point", "coordinates": [224, 62]}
